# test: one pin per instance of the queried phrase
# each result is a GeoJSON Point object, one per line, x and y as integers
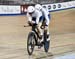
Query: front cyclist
{"type": "Point", "coordinates": [35, 17]}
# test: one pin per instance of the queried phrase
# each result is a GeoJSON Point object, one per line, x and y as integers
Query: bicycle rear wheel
{"type": "Point", "coordinates": [31, 43]}
{"type": "Point", "coordinates": [46, 43]}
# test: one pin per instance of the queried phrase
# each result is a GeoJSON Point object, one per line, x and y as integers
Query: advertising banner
{"type": "Point", "coordinates": [59, 6]}
{"type": "Point", "coordinates": [4, 9]}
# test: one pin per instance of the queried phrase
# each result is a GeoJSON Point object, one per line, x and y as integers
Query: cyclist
{"type": "Point", "coordinates": [35, 17]}
{"type": "Point", "coordinates": [46, 17]}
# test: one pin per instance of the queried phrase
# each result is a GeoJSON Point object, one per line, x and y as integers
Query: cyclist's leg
{"type": "Point", "coordinates": [48, 34]}
{"type": "Point", "coordinates": [40, 40]}
{"type": "Point", "coordinates": [39, 27]}
{"type": "Point", "coordinates": [40, 30]}
{"type": "Point", "coordinates": [47, 27]}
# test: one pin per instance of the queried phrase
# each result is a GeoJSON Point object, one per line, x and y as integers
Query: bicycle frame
{"type": "Point", "coordinates": [33, 40]}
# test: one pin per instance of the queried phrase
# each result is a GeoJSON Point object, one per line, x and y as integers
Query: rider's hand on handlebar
{"type": "Point", "coordinates": [31, 23]}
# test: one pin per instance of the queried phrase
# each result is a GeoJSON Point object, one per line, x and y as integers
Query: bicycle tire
{"type": "Point", "coordinates": [46, 43]}
{"type": "Point", "coordinates": [31, 42]}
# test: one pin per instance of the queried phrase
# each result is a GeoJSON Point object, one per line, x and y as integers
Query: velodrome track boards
{"type": "Point", "coordinates": [13, 37]}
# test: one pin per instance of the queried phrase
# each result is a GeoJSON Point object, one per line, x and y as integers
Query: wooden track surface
{"type": "Point", "coordinates": [13, 36]}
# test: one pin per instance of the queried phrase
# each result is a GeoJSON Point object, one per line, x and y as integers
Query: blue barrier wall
{"type": "Point", "coordinates": [8, 10]}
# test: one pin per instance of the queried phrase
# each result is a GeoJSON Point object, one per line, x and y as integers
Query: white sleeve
{"type": "Point", "coordinates": [38, 15]}
{"type": "Point", "coordinates": [47, 19]}
{"type": "Point", "coordinates": [29, 17]}
{"type": "Point", "coordinates": [46, 16]}
{"type": "Point", "coordinates": [37, 19]}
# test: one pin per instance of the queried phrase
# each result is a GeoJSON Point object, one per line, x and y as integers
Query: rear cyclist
{"type": "Point", "coordinates": [46, 18]}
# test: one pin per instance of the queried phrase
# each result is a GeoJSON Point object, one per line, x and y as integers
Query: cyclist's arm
{"type": "Point", "coordinates": [47, 19]}
{"type": "Point", "coordinates": [39, 14]}
{"type": "Point", "coordinates": [46, 13]}
{"type": "Point", "coordinates": [29, 17]}
{"type": "Point", "coordinates": [37, 20]}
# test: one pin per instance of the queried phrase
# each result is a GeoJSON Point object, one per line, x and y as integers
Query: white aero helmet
{"type": "Point", "coordinates": [30, 9]}
{"type": "Point", "coordinates": [38, 6]}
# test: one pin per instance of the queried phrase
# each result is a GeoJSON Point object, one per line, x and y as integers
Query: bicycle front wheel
{"type": "Point", "coordinates": [31, 43]}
